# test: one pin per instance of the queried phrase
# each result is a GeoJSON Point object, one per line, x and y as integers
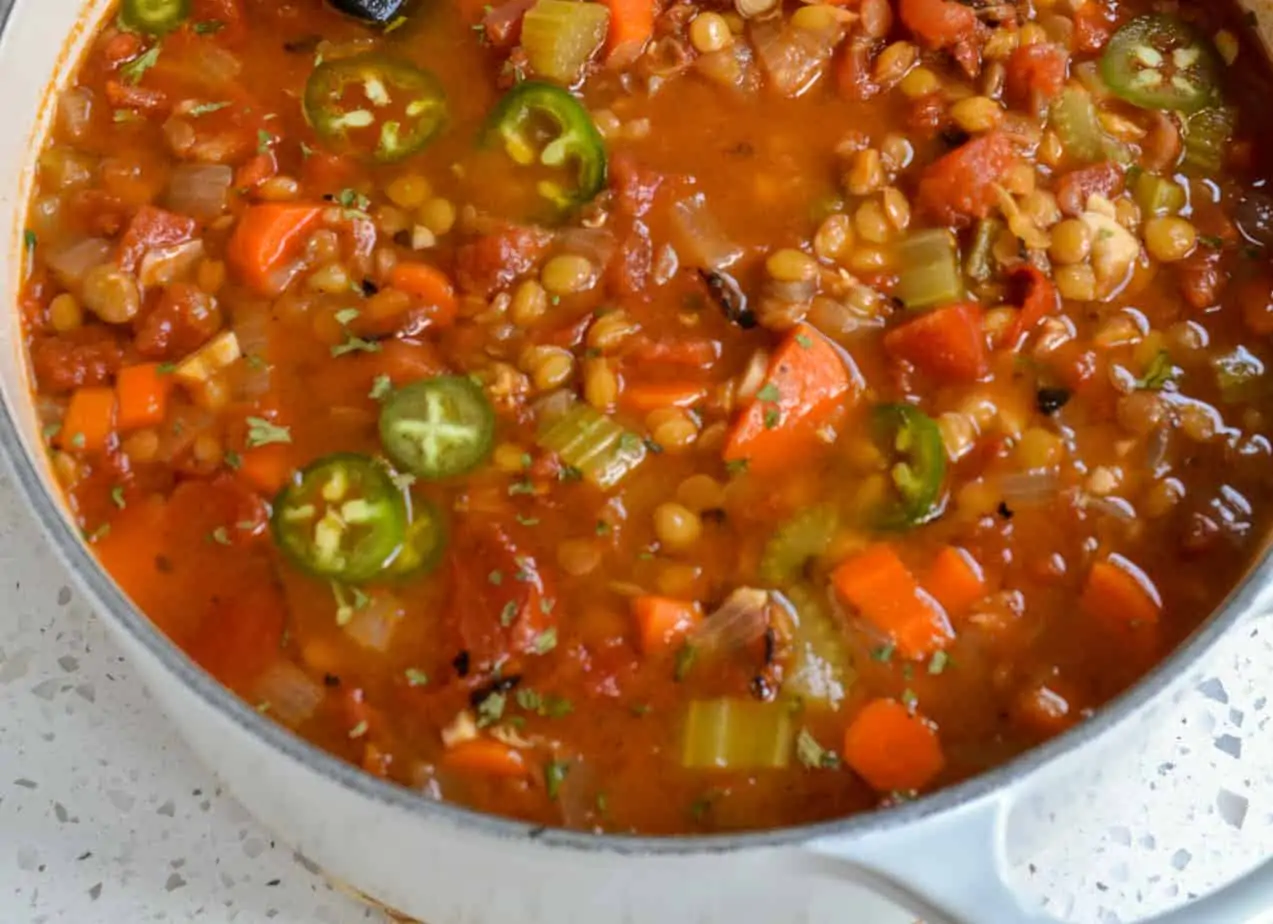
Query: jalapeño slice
{"type": "Point", "coordinates": [381, 107]}
{"type": "Point", "coordinates": [153, 17]}
{"type": "Point", "coordinates": [917, 472]}
{"type": "Point", "coordinates": [438, 427]}
{"type": "Point", "coordinates": [425, 542]}
{"type": "Point", "coordinates": [538, 123]}
{"type": "Point", "coordinates": [1159, 62]}
{"type": "Point", "coordinates": [341, 518]}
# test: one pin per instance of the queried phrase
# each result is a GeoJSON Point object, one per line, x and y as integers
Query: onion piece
{"type": "Point", "coordinates": [699, 238]}
{"type": "Point", "coordinates": [597, 244]}
{"type": "Point", "coordinates": [291, 695]}
{"type": "Point", "coordinates": [372, 626]}
{"type": "Point", "coordinates": [731, 67]}
{"type": "Point", "coordinates": [165, 266]}
{"type": "Point", "coordinates": [71, 264]}
{"type": "Point", "coordinates": [75, 113]}
{"type": "Point", "coordinates": [1113, 507]}
{"type": "Point", "coordinates": [1029, 488]}
{"type": "Point", "coordinates": [791, 56]}
{"type": "Point", "coordinates": [740, 620]}
{"type": "Point", "coordinates": [200, 190]}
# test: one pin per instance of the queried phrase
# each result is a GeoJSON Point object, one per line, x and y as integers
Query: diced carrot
{"type": "Point", "coordinates": [882, 589]}
{"type": "Point", "coordinates": [661, 621]}
{"type": "Point", "coordinates": [955, 580]}
{"type": "Point", "coordinates": [1043, 711]}
{"type": "Point", "coordinates": [948, 343]}
{"type": "Point", "coordinates": [90, 420]}
{"type": "Point", "coordinates": [1037, 296]}
{"type": "Point", "coordinates": [143, 396]}
{"type": "Point", "coordinates": [893, 750]}
{"type": "Point", "coordinates": [266, 237]}
{"type": "Point", "coordinates": [804, 390]}
{"type": "Point", "coordinates": [429, 285]}
{"type": "Point", "coordinates": [631, 28]}
{"type": "Point", "coordinates": [644, 397]}
{"type": "Point", "coordinates": [1036, 73]}
{"type": "Point", "coordinates": [407, 361]}
{"type": "Point", "coordinates": [699, 352]}
{"type": "Point", "coordinates": [1121, 594]}
{"type": "Point", "coordinates": [938, 23]}
{"type": "Point", "coordinates": [485, 757]}
{"type": "Point", "coordinates": [961, 185]}
{"type": "Point", "coordinates": [268, 467]}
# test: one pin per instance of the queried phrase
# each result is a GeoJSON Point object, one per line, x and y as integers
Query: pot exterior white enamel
{"type": "Point", "coordinates": [942, 857]}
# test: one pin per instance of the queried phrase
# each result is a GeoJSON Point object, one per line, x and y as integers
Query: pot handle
{"type": "Point", "coordinates": [951, 869]}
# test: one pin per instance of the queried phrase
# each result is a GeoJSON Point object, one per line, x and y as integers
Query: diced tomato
{"type": "Point", "coordinates": [947, 343]}
{"type": "Point", "coordinates": [140, 99]}
{"type": "Point", "coordinates": [938, 23]}
{"type": "Point", "coordinates": [1073, 189]}
{"type": "Point", "coordinates": [1093, 26]}
{"type": "Point", "coordinates": [1036, 73]}
{"type": "Point", "coordinates": [152, 229]}
{"type": "Point", "coordinates": [961, 185]}
{"type": "Point", "coordinates": [1036, 294]}
{"type": "Point", "coordinates": [495, 260]}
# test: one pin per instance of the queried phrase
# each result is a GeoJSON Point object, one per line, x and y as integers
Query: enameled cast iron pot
{"type": "Point", "coordinates": [941, 857]}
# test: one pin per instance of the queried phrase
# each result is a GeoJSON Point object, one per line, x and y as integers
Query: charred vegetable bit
{"type": "Point", "coordinates": [381, 12]}
{"type": "Point", "coordinates": [911, 440]}
{"type": "Point", "coordinates": [375, 106]}
{"type": "Point", "coordinates": [341, 518]}
{"type": "Point", "coordinates": [538, 124]}
{"type": "Point", "coordinates": [1157, 61]}
{"type": "Point", "coordinates": [728, 294]}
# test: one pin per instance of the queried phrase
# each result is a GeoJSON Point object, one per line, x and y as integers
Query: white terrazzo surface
{"type": "Point", "coordinates": [105, 818]}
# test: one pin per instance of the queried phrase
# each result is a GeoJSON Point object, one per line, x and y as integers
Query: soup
{"type": "Point", "coordinates": [662, 419]}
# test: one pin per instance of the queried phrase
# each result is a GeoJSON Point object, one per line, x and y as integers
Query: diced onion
{"type": "Point", "coordinates": [372, 627]}
{"type": "Point", "coordinates": [165, 266]}
{"type": "Point", "coordinates": [597, 244]}
{"type": "Point", "coordinates": [740, 620]}
{"type": "Point", "coordinates": [291, 695]}
{"type": "Point", "coordinates": [200, 190]}
{"type": "Point", "coordinates": [699, 238]}
{"type": "Point", "coordinates": [792, 57]}
{"type": "Point", "coordinates": [71, 264]}
{"type": "Point", "coordinates": [75, 113]}
{"type": "Point", "coordinates": [1026, 488]}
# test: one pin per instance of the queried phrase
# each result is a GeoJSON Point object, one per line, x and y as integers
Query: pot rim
{"type": "Point", "coordinates": [109, 602]}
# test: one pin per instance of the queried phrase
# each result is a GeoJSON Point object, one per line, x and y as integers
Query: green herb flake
{"type": "Point", "coordinates": [491, 709]}
{"type": "Point", "coordinates": [416, 677]}
{"type": "Point", "coordinates": [29, 239]}
{"type": "Point", "coordinates": [883, 653]}
{"type": "Point", "coordinates": [232, 459]}
{"type": "Point", "coordinates": [569, 473]}
{"type": "Point", "coordinates": [202, 109]}
{"type": "Point", "coordinates": [496, 577]}
{"type": "Point", "coordinates": [352, 199]}
{"type": "Point", "coordinates": [77, 440]}
{"type": "Point", "coordinates": [100, 533]}
{"type": "Point", "coordinates": [813, 755]}
{"type": "Point", "coordinates": [134, 70]}
{"type": "Point", "coordinates": [358, 730]}
{"type": "Point", "coordinates": [263, 141]}
{"type": "Point", "coordinates": [381, 388]}
{"type": "Point", "coordinates": [546, 605]}
{"type": "Point", "coordinates": [805, 341]}
{"type": "Point", "coordinates": [521, 486]}
{"type": "Point", "coordinates": [220, 536]}
{"type": "Point", "coordinates": [166, 368]}
{"type": "Point", "coordinates": [603, 528]}
{"type": "Point", "coordinates": [1160, 374]}
{"type": "Point", "coordinates": [208, 27]}
{"type": "Point", "coordinates": [545, 641]}
{"type": "Point", "coordinates": [50, 431]}
{"type": "Point", "coordinates": [346, 316]}
{"type": "Point", "coordinates": [555, 772]}
{"type": "Point", "coordinates": [769, 392]}
{"type": "Point", "coordinates": [700, 807]}
{"type": "Point", "coordinates": [354, 344]}
{"type": "Point", "coordinates": [938, 662]}
{"type": "Point", "coordinates": [529, 700]}
{"type": "Point", "coordinates": [525, 520]}
{"type": "Point", "coordinates": [508, 614]}
{"type": "Point", "coordinates": [603, 803]}
{"type": "Point", "coordinates": [686, 655]}
{"type": "Point", "coordinates": [1210, 240]}
{"type": "Point", "coordinates": [261, 432]}
{"type": "Point", "coordinates": [736, 466]}
{"type": "Point", "coordinates": [909, 699]}
{"type": "Point", "coordinates": [117, 497]}
{"type": "Point", "coordinates": [772, 418]}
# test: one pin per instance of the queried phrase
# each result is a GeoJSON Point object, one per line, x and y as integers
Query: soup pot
{"type": "Point", "coordinates": [941, 857]}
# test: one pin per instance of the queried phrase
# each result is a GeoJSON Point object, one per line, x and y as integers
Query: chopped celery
{"type": "Point", "coordinates": [1075, 122]}
{"type": "Point", "coordinates": [736, 734]}
{"type": "Point", "coordinates": [1158, 195]}
{"type": "Point", "coordinates": [979, 266]}
{"type": "Point", "coordinates": [820, 668]}
{"type": "Point", "coordinates": [599, 448]}
{"type": "Point", "coordinates": [559, 36]}
{"type": "Point", "coordinates": [1207, 134]}
{"type": "Point", "coordinates": [1238, 375]}
{"type": "Point", "coordinates": [804, 536]}
{"type": "Point", "coordinates": [930, 270]}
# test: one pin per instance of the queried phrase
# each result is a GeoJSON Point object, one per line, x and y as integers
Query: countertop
{"type": "Point", "coordinates": [105, 816]}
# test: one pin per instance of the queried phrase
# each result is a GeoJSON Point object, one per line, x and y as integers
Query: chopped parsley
{"type": "Point", "coordinates": [134, 70]}
{"type": "Point", "coordinates": [772, 418]}
{"type": "Point", "coordinates": [206, 108]}
{"type": "Point", "coordinates": [358, 730]}
{"type": "Point", "coordinates": [496, 577]}
{"type": "Point", "coordinates": [491, 709]}
{"type": "Point", "coordinates": [603, 528]}
{"type": "Point", "coordinates": [736, 466]}
{"type": "Point", "coordinates": [117, 497]}
{"type": "Point", "coordinates": [508, 614]}
{"type": "Point", "coordinates": [545, 641]}
{"type": "Point", "coordinates": [263, 141]}
{"type": "Point", "coordinates": [909, 699]}
{"type": "Point", "coordinates": [220, 536]}
{"type": "Point", "coordinates": [883, 654]}
{"type": "Point", "coordinates": [353, 200]}
{"type": "Point", "coordinates": [416, 677]}
{"type": "Point", "coordinates": [938, 662]}
{"type": "Point", "coordinates": [345, 316]}
{"type": "Point", "coordinates": [29, 239]}
{"type": "Point", "coordinates": [769, 392]}
{"type": "Point", "coordinates": [208, 27]}
{"type": "Point", "coordinates": [381, 388]}
{"type": "Point", "coordinates": [555, 772]}
{"type": "Point", "coordinates": [686, 655]}
{"type": "Point", "coordinates": [261, 432]}
{"type": "Point", "coordinates": [813, 755]}
{"type": "Point", "coordinates": [354, 344]}
{"type": "Point", "coordinates": [804, 340]}
{"type": "Point", "coordinates": [1160, 373]}
{"type": "Point", "coordinates": [233, 459]}
{"type": "Point", "coordinates": [569, 473]}
{"type": "Point", "coordinates": [526, 521]}
{"type": "Point", "coordinates": [521, 486]}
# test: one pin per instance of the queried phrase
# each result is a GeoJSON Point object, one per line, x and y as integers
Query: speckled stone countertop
{"type": "Point", "coordinates": [106, 818]}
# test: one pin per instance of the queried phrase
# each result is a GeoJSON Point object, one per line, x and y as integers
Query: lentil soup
{"type": "Point", "coordinates": [663, 417]}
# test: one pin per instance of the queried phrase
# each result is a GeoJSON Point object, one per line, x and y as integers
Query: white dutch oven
{"type": "Point", "coordinates": [942, 857]}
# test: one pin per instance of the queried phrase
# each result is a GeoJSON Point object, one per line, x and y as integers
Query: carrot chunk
{"type": "Point", "coordinates": [631, 28]}
{"type": "Point", "coordinates": [955, 580]}
{"type": "Point", "coordinates": [267, 468]}
{"type": "Point", "coordinates": [486, 757]}
{"type": "Point", "coordinates": [90, 419]}
{"type": "Point", "coordinates": [265, 239]}
{"type": "Point", "coordinates": [893, 750]}
{"type": "Point", "coordinates": [947, 343]}
{"type": "Point", "coordinates": [882, 589]}
{"type": "Point", "coordinates": [143, 392]}
{"type": "Point", "coordinates": [644, 397]}
{"type": "Point", "coordinates": [661, 621]}
{"type": "Point", "coordinates": [429, 285]}
{"type": "Point", "coordinates": [1121, 594]}
{"type": "Point", "coordinates": [804, 390]}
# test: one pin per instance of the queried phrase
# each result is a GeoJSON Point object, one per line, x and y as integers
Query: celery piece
{"type": "Point", "coordinates": [1158, 195]}
{"type": "Point", "coordinates": [820, 669]}
{"type": "Point", "coordinates": [979, 265]}
{"type": "Point", "coordinates": [1238, 375]}
{"type": "Point", "coordinates": [930, 272]}
{"type": "Point", "coordinates": [1206, 135]}
{"type": "Point", "coordinates": [736, 734]}
{"type": "Point", "coordinates": [560, 36]}
{"type": "Point", "coordinates": [599, 448]}
{"type": "Point", "coordinates": [1075, 122]}
{"type": "Point", "coordinates": [805, 536]}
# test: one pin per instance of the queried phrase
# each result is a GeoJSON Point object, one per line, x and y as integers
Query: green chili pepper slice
{"type": "Point", "coordinates": [1159, 62]}
{"type": "Point", "coordinates": [538, 123]}
{"type": "Point", "coordinates": [918, 471]}
{"type": "Point", "coordinates": [438, 427]}
{"type": "Point", "coordinates": [382, 107]}
{"type": "Point", "coordinates": [341, 518]}
{"type": "Point", "coordinates": [153, 17]}
{"type": "Point", "coordinates": [425, 542]}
